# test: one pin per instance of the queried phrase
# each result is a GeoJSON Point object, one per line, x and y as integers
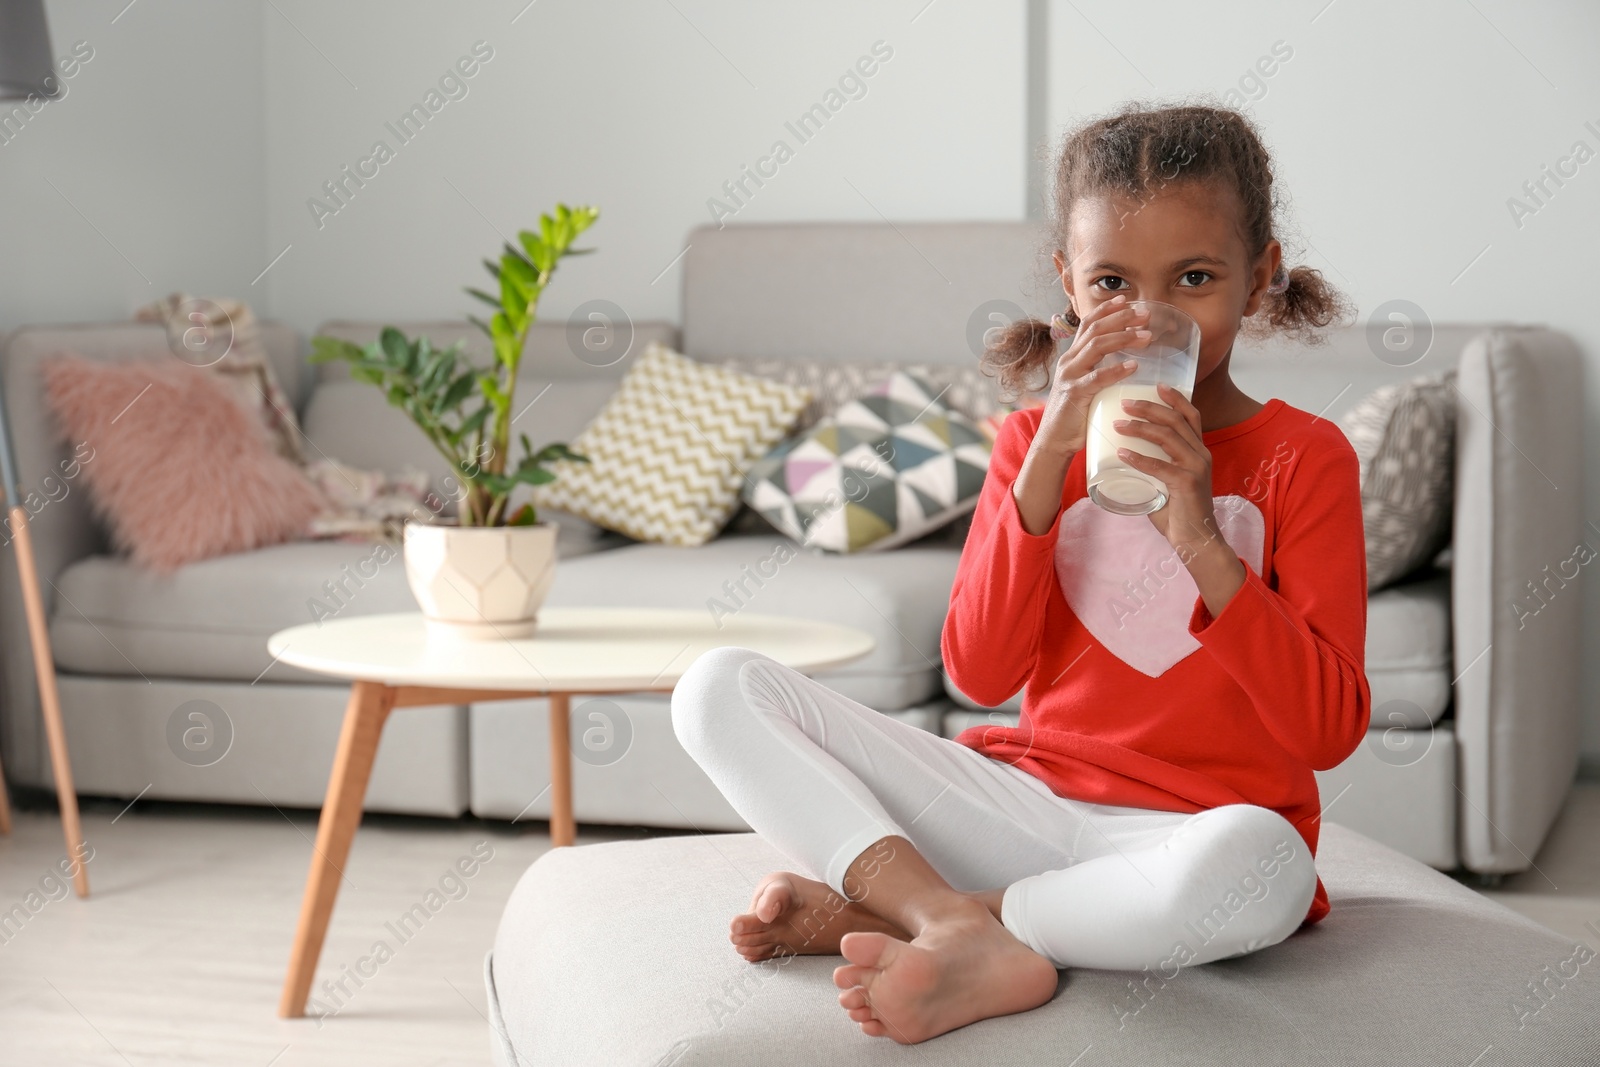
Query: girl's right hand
{"type": "Point", "coordinates": [1109, 327]}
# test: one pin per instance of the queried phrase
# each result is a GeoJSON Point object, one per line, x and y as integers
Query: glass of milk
{"type": "Point", "coordinates": [1170, 358]}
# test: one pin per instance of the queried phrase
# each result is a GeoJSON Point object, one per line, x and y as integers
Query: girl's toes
{"type": "Point", "coordinates": [851, 975]}
{"type": "Point", "coordinates": [874, 1028]}
{"type": "Point", "coordinates": [861, 1015]}
{"type": "Point", "coordinates": [772, 900]}
{"type": "Point", "coordinates": [852, 998]}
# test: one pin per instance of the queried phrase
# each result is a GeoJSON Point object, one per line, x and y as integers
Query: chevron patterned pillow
{"type": "Point", "coordinates": [886, 468]}
{"type": "Point", "coordinates": [669, 452]}
{"type": "Point", "coordinates": [1404, 439]}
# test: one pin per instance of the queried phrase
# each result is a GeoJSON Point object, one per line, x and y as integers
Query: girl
{"type": "Point", "coordinates": [1185, 671]}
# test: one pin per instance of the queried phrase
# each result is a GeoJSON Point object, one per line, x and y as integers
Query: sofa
{"type": "Point", "coordinates": [1474, 734]}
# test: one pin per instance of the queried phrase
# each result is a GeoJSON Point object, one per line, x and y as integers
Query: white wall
{"type": "Point", "coordinates": [147, 175]}
{"type": "Point", "coordinates": [629, 105]}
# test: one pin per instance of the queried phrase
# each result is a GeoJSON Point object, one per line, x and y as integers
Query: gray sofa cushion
{"type": "Point", "coordinates": [212, 619]}
{"type": "Point", "coordinates": [1408, 651]}
{"type": "Point", "coordinates": [1408, 655]}
{"type": "Point", "coordinates": [618, 954]}
{"type": "Point", "coordinates": [899, 597]}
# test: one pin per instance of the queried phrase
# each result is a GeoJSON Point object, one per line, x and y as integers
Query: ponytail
{"type": "Point", "coordinates": [1303, 308]}
{"type": "Point", "coordinates": [1020, 356]}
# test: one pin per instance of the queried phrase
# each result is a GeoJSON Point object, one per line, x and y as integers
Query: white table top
{"type": "Point", "coordinates": [577, 650]}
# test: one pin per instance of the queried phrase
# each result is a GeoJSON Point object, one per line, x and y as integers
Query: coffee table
{"type": "Point", "coordinates": [392, 661]}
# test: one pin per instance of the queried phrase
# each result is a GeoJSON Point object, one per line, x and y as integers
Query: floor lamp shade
{"type": "Point", "coordinates": [26, 68]}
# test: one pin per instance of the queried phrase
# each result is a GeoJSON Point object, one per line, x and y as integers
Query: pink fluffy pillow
{"type": "Point", "coordinates": [181, 471]}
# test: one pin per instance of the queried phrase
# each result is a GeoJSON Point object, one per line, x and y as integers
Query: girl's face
{"type": "Point", "coordinates": [1179, 247]}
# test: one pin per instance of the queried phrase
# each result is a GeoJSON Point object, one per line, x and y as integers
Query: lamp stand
{"type": "Point", "coordinates": [5, 806]}
{"type": "Point", "coordinates": [44, 666]}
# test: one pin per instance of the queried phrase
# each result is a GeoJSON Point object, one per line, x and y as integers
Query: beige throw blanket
{"type": "Point", "coordinates": [221, 336]}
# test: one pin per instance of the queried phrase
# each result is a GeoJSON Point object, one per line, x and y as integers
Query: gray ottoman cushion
{"type": "Point", "coordinates": [617, 954]}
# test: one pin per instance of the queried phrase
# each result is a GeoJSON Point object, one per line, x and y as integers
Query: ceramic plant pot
{"type": "Point", "coordinates": [480, 582]}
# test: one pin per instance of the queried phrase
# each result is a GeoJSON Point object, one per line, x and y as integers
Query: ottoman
{"type": "Point", "coordinates": [617, 954]}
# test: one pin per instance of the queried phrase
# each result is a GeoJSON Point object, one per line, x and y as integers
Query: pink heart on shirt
{"type": "Point", "coordinates": [1127, 586]}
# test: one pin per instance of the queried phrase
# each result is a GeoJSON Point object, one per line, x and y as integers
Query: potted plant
{"type": "Point", "coordinates": [485, 573]}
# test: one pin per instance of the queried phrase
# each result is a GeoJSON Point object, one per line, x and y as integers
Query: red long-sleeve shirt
{"type": "Point", "coordinates": [1135, 694]}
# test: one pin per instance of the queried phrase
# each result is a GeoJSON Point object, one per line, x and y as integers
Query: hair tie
{"type": "Point", "coordinates": [1059, 330]}
{"type": "Point", "coordinates": [1280, 280]}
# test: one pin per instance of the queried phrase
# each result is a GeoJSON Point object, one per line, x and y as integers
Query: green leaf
{"type": "Point", "coordinates": [540, 253]}
{"type": "Point", "coordinates": [470, 426]}
{"type": "Point", "coordinates": [523, 516]}
{"type": "Point", "coordinates": [492, 301]}
{"type": "Point", "coordinates": [432, 376]}
{"type": "Point", "coordinates": [458, 391]}
{"type": "Point", "coordinates": [492, 392]}
{"type": "Point", "coordinates": [505, 339]}
{"type": "Point", "coordinates": [497, 484]}
{"type": "Point", "coordinates": [582, 218]}
{"type": "Point", "coordinates": [394, 346]}
{"type": "Point", "coordinates": [551, 451]}
{"type": "Point", "coordinates": [532, 475]}
{"type": "Point", "coordinates": [519, 287]}
{"type": "Point", "coordinates": [325, 349]}
{"type": "Point", "coordinates": [494, 268]}
{"type": "Point", "coordinates": [515, 253]}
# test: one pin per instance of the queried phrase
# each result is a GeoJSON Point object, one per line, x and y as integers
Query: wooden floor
{"type": "Point", "coordinates": [1563, 891]}
{"type": "Point", "coordinates": [179, 956]}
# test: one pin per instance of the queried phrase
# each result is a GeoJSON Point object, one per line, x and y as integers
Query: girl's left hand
{"type": "Point", "coordinates": [1187, 521]}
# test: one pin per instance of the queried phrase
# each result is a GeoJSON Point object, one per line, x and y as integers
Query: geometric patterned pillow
{"type": "Point", "coordinates": [1404, 438]}
{"type": "Point", "coordinates": [885, 468]}
{"type": "Point", "coordinates": [671, 448]}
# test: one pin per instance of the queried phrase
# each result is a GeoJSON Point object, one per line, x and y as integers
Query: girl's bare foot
{"type": "Point", "coordinates": [790, 914]}
{"type": "Point", "coordinates": [962, 968]}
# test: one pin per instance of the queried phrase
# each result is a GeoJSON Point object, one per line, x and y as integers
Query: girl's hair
{"type": "Point", "coordinates": [1137, 152]}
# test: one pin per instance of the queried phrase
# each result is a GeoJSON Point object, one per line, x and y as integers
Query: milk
{"type": "Point", "coordinates": [1170, 357]}
{"type": "Point", "coordinates": [1112, 479]}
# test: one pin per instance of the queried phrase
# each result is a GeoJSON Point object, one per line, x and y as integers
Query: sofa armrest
{"type": "Point", "coordinates": [1519, 540]}
{"type": "Point", "coordinates": [64, 530]}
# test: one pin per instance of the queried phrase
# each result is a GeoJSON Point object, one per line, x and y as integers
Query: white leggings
{"type": "Point", "coordinates": [823, 778]}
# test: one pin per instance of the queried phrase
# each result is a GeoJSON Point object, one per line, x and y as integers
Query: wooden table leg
{"type": "Point", "coordinates": [364, 716]}
{"type": "Point", "coordinates": [563, 831]}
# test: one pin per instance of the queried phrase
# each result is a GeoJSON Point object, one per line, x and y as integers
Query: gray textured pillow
{"type": "Point", "coordinates": [1404, 437]}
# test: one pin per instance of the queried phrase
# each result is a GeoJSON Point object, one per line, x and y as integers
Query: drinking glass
{"type": "Point", "coordinates": [1170, 358]}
